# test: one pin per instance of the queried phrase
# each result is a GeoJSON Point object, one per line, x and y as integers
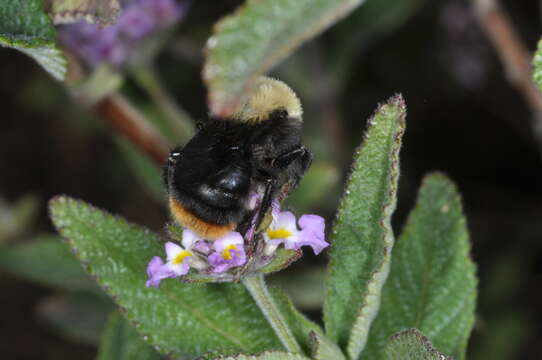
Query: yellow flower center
{"type": "Point", "coordinates": [278, 233]}
{"type": "Point", "coordinates": [181, 256]}
{"type": "Point", "coordinates": [226, 253]}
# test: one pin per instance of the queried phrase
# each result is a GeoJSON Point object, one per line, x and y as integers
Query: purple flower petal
{"type": "Point", "coordinates": [189, 238]}
{"type": "Point", "coordinates": [202, 246]}
{"type": "Point", "coordinates": [157, 271]}
{"type": "Point", "coordinates": [233, 238]}
{"type": "Point", "coordinates": [136, 23]}
{"type": "Point", "coordinates": [285, 220]}
{"type": "Point", "coordinates": [275, 209]}
{"type": "Point", "coordinates": [312, 233]}
{"type": "Point", "coordinates": [115, 44]}
{"type": "Point", "coordinates": [219, 264]}
{"type": "Point", "coordinates": [254, 200]}
{"type": "Point", "coordinates": [182, 268]}
{"type": "Point", "coordinates": [229, 252]}
{"type": "Point", "coordinates": [172, 250]}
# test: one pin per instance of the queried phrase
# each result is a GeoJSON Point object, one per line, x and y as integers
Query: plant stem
{"type": "Point", "coordinates": [178, 119]}
{"type": "Point", "coordinates": [514, 55]}
{"type": "Point", "coordinates": [124, 118]}
{"type": "Point", "coordinates": [255, 285]}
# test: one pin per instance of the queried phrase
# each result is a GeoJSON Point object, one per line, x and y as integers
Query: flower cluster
{"type": "Point", "coordinates": [117, 43]}
{"type": "Point", "coordinates": [229, 252]}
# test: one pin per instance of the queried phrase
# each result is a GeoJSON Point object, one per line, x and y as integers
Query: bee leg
{"type": "Point", "coordinates": [270, 190]}
{"type": "Point", "coordinates": [285, 159]}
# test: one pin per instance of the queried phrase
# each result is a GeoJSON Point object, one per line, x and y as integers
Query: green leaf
{"type": "Point", "coordinates": [362, 238]}
{"type": "Point", "coordinates": [25, 27]}
{"type": "Point", "coordinates": [103, 12]}
{"type": "Point", "coordinates": [268, 355]}
{"type": "Point", "coordinates": [432, 284]}
{"type": "Point", "coordinates": [258, 36]}
{"type": "Point", "coordinates": [120, 341]}
{"type": "Point", "coordinates": [181, 319]}
{"type": "Point", "coordinates": [48, 261]}
{"type": "Point", "coordinates": [537, 63]}
{"type": "Point", "coordinates": [300, 326]}
{"type": "Point", "coordinates": [78, 317]}
{"type": "Point", "coordinates": [325, 349]}
{"type": "Point", "coordinates": [412, 345]}
{"type": "Point", "coordinates": [283, 259]}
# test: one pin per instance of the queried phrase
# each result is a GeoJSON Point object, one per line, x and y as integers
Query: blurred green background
{"type": "Point", "coordinates": [464, 118]}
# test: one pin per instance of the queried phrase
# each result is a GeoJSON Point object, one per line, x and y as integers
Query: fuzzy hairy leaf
{"type": "Point", "coordinates": [298, 323]}
{"type": "Point", "coordinates": [432, 284]}
{"type": "Point", "coordinates": [362, 238]}
{"type": "Point", "coordinates": [120, 341]}
{"type": "Point", "coordinates": [180, 319]}
{"type": "Point", "coordinates": [25, 27]}
{"type": "Point", "coordinates": [537, 64]}
{"type": "Point", "coordinates": [268, 355]}
{"type": "Point", "coordinates": [412, 345]}
{"type": "Point", "coordinates": [48, 261]}
{"type": "Point", "coordinates": [325, 349]}
{"type": "Point", "coordinates": [283, 259]}
{"type": "Point", "coordinates": [258, 36]}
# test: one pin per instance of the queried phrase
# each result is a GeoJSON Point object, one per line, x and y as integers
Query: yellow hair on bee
{"type": "Point", "coordinates": [269, 95]}
{"type": "Point", "coordinates": [202, 228]}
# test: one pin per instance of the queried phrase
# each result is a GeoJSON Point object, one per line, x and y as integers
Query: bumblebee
{"type": "Point", "coordinates": [212, 180]}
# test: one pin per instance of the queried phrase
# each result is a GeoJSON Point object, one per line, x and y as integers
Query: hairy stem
{"type": "Point", "coordinates": [255, 285]}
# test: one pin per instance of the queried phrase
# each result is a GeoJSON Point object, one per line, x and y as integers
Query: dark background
{"type": "Point", "coordinates": [464, 119]}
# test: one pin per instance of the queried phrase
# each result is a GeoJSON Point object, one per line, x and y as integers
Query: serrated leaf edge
{"type": "Point", "coordinates": [424, 340]}
{"type": "Point", "coordinates": [331, 351]}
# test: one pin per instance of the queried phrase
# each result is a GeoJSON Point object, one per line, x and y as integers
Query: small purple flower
{"type": "Point", "coordinates": [229, 252]}
{"type": "Point", "coordinates": [312, 233]}
{"type": "Point", "coordinates": [179, 260]}
{"type": "Point", "coordinates": [178, 264]}
{"type": "Point", "coordinates": [156, 271]}
{"type": "Point", "coordinates": [115, 44]}
{"type": "Point", "coordinates": [283, 230]}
